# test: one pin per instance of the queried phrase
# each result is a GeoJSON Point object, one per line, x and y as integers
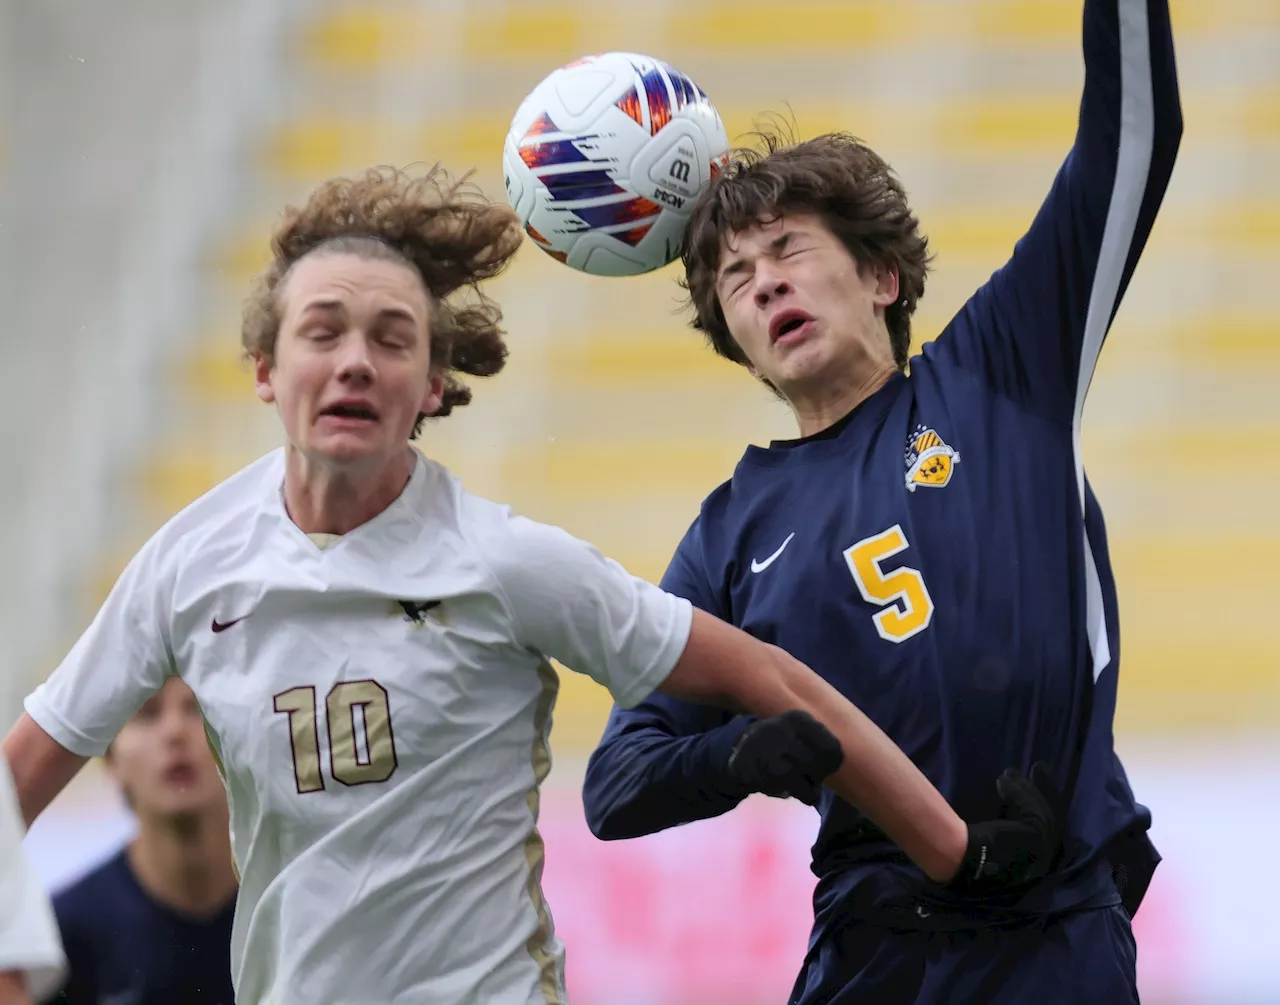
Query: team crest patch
{"type": "Point", "coordinates": [929, 460]}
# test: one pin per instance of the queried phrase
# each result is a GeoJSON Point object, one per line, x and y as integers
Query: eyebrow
{"type": "Point", "coordinates": [775, 246]}
{"type": "Point", "coordinates": [337, 307]}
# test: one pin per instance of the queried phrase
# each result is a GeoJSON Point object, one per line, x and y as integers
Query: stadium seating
{"type": "Point", "coordinates": [613, 421]}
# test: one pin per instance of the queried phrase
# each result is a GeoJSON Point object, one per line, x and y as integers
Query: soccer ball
{"type": "Point", "coordinates": [604, 159]}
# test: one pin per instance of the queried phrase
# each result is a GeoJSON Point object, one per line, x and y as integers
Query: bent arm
{"type": "Point", "coordinates": [724, 666]}
{"type": "Point", "coordinates": [41, 766]}
{"type": "Point", "coordinates": [661, 764]}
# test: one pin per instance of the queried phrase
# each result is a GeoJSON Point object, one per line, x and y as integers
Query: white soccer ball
{"type": "Point", "coordinates": [604, 159]}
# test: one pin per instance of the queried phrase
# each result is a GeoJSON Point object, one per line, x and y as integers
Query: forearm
{"type": "Point", "coordinates": [644, 780]}
{"type": "Point", "coordinates": [876, 776]}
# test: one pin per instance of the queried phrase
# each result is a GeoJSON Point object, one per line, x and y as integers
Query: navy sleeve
{"type": "Point", "coordinates": [664, 762]}
{"type": "Point", "coordinates": [1036, 328]}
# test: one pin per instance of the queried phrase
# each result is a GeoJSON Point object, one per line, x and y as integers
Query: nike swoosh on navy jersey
{"type": "Point", "coordinates": [761, 566]}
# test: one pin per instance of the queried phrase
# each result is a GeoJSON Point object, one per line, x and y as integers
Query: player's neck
{"type": "Point", "coordinates": [325, 500]}
{"type": "Point", "coordinates": [185, 865]}
{"type": "Point", "coordinates": [830, 400]}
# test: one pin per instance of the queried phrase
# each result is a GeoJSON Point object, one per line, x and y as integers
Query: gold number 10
{"type": "Point", "coordinates": [347, 763]}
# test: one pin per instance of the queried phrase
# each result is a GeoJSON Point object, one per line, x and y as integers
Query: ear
{"type": "Point", "coordinates": [434, 397]}
{"type": "Point", "coordinates": [886, 292]}
{"type": "Point", "coordinates": [262, 378]}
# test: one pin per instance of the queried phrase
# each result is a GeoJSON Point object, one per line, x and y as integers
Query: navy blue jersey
{"type": "Point", "coordinates": [938, 555]}
{"type": "Point", "coordinates": [124, 948]}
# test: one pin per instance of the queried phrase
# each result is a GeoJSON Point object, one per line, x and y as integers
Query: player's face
{"type": "Point", "coordinates": [161, 758]}
{"type": "Point", "coordinates": [352, 368]}
{"type": "Point", "coordinates": [800, 306]}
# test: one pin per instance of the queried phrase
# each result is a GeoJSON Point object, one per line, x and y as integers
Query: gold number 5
{"type": "Point", "coordinates": [907, 607]}
{"type": "Point", "coordinates": [347, 763]}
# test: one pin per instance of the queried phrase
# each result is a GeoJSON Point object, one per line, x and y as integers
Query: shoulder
{"type": "Point", "coordinates": [222, 509]}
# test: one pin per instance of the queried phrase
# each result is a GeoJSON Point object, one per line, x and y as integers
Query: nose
{"type": "Point", "coordinates": [355, 366]}
{"type": "Point", "coordinates": [175, 727]}
{"type": "Point", "coordinates": [769, 286]}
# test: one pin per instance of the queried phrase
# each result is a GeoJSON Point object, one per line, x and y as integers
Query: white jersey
{"type": "Point", "coordinates": [379, 704]}
{"type": "Point", "coordinates": [29, 942]}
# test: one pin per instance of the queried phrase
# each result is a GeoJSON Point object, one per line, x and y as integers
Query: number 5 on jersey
{"type": "Point", "coordinates": [907, 606]}
{"type": "Point", "coordinates": [347, 762]}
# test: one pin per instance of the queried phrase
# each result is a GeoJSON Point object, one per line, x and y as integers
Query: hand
{"type": "Point", "coordinates": [1018, 849]}
{"type": "Point", "coordinates": [786, 755]}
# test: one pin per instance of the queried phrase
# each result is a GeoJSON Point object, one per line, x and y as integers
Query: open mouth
{"type": "Point", "coordinates": [180, 774]}
{"type": "Point", "coordinates": [351, 411]}
{"type": "Point", "coordinates": [788, 325]}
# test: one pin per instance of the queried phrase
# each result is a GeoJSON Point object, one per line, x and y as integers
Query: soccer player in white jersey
{"type": "Point", "coordinates": [369, 643]}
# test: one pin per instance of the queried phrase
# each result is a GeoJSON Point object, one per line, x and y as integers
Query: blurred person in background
{"type": "Point", "coordinates": [31, 960]}
{"type": "Point", "coordinates": [930, 543]}
{"type": "Point", "coordinates": [152, 925]}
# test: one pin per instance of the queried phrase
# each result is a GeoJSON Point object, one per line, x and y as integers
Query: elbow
{"type": "Point", "coordinates": [603, 824]}
{"type": "Point", "coordinates": [603, 817]}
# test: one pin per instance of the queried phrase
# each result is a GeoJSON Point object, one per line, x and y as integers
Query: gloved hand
{"type": "Point", "coordinates": [1018, 849]}
{"type": "Point", "coordinates": [785, 755]}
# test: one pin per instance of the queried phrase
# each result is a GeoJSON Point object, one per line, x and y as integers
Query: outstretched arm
{"type": "Point", "coordinates": [1036, 329]}
{"type": "Point", "coordinates": [569, 602]}
{"type": "Point", "coordinates": [722, 665]}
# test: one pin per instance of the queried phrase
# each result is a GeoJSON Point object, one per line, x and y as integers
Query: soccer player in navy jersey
{"type": "Point", "coordinates": [929, 544]}
{"type": "Point", "coordinates": [152, 925]}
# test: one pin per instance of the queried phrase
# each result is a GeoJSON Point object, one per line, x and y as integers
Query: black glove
{"type": "Point", "coordinates": [785, 755]}
{"type": "Point", "coordinates": [1018, 849]}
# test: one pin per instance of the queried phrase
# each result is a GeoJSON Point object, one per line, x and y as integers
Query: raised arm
{"type": "Point", "coordinates": [1036, 329]}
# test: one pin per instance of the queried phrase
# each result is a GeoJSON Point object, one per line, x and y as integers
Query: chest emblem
{"type": "Point", "coordinates": [929, 461]}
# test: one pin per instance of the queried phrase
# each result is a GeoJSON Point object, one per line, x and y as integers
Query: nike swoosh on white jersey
{"type": "Point", "coordinates": [761, 566]}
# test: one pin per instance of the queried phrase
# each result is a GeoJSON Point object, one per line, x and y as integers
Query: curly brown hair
{"type": "Point", "coordinates": [446, 230]}
{"type": "Point", "coordinates": [838, 178]}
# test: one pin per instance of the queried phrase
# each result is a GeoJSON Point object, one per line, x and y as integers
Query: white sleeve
{"type": "Point", "coordinates": [121, 660]}
{"type": "Point", "coordinates": [28, 932]}
{"type": "Point", "coordinates": [571, 603]}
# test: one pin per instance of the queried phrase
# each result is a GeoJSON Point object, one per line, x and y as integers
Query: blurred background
{"type": "Point", "coordinates": [146, 148]}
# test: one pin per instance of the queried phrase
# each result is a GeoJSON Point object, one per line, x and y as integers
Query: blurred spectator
{"type": "Point", "coordinates": [152, 926]}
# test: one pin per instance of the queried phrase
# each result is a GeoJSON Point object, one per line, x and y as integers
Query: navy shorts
{"type": "Point", "coordinates": [1083, 958]}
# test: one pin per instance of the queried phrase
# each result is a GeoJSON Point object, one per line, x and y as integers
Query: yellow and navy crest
{"type": "Point", "coordinates": [930, 461]}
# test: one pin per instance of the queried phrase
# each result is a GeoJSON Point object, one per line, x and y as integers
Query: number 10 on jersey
{"type": "Point", "coordinates": [351, 707]}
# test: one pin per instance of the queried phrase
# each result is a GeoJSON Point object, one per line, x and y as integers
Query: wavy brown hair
{"type": "Point", "coordinates": [838, 178]}
{"type": "Point", "coordinates": [444, 229]}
